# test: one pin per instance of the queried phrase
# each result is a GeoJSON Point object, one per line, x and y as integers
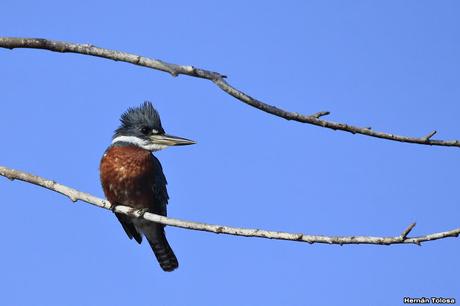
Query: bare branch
{"type": "Point", "coordinates": [218, 79]}
{"type": "Point", "coordinates": [76, 195]}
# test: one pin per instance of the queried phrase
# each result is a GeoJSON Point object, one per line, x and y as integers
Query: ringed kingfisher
{"type": "Point", "coordinates": [132, 176]}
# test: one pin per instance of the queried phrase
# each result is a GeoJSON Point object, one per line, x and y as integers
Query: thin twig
{"type": "Point", "coordinates": [75, 195]}
{"type": "Point", "coordinates": [428, 137]}
{"type": "Point", "coordinates": [407, 230]}
{"type": "Point", "coordinates": [320, 114]}
{"type": "Point", "coordinates": [218, 79]}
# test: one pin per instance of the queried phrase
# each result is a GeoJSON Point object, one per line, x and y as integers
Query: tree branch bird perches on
{"type": "Point", "coordinates": [76, 195]}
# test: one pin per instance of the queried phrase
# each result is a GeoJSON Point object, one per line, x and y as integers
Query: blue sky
{"type": "Point", "coordinates": [392, 65]}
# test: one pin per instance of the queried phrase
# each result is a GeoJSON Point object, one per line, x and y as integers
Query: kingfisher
{"type": "Point", "coordinates": [131, 175]}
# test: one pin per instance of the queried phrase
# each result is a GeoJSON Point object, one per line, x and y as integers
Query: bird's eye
{"type": "Point", "coordinates": [145, 130]}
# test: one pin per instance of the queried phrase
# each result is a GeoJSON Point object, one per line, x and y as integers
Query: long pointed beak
{"type": "Point", "coordinates": [170, 140]}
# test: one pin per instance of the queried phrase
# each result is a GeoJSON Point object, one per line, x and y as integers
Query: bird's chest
{"type": "Point", "coordinates": [127, 176]}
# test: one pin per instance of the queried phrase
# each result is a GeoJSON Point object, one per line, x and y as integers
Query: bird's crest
{"type": "Point", "coordinates": [144, 114]}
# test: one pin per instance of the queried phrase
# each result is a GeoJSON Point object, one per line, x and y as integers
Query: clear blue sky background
{"type": "Point", "coordinates": [392, 65]}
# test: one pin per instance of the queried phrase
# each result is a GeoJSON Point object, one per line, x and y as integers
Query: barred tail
{"type": "Point", "coordinates": [160, 246]}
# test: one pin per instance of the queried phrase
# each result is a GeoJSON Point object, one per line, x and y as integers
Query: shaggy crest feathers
{"type": "Point", "coordinates": [144, 115]}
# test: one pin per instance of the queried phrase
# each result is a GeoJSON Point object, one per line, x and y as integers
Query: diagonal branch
{"type": "Point", "coordinates": [76, 195]}
{"type": "Point", "coordinates": [219, 80]}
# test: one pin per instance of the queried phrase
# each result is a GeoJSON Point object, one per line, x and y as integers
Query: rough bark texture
{"type": "Point", "coordinates": [219, 80]}
{"type": "Point", "coordinates": [76, 195]}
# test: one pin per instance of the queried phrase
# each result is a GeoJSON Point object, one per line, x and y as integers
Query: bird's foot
{"type": "Point", "coordinates": [113, 207]}
{"type": "Point", "coordinates": [140, 212]}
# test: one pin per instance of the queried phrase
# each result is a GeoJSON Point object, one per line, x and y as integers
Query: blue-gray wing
{"type": "Point", "coordinates": [160, 192]}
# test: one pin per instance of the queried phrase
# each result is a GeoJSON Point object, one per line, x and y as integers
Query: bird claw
{"type": "Point", "coordinates": [142, 211]}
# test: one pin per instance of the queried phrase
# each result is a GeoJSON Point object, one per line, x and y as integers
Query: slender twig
{"type": "Point", "coordinates": [428, 137]}
{"type": "Point", "coordinates": [407, 230]}
{"type": "Point", "coordinates": [218, 79]}
{"type": "Point", "coordinates": [320, 114]}
{"type": "Point", "coordinates": [76, 195]}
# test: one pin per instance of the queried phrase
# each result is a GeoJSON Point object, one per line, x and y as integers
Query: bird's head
{"type": "Point", "coordinates": [141, 126]}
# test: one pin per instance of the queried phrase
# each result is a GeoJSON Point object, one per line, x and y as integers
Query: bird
{"type": "Point", "coordinates": [132, 176]}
